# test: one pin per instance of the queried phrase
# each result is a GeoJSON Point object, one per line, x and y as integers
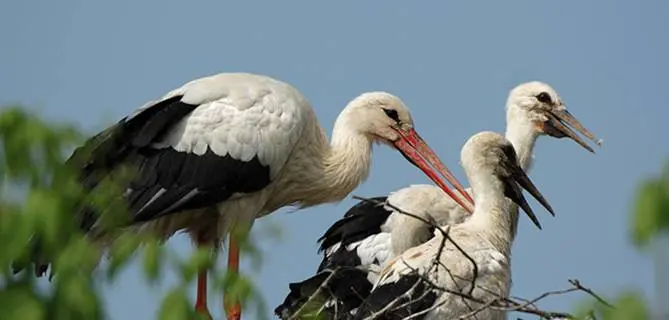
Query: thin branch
{"type": "Point", "coordinates": [443, 232]}
{"type": "Point", "coordinates": [320, 288]}
{"type": "Point", "coordinates": [498, 302]}
{"type": "Point", "coordinates": [577, 284]}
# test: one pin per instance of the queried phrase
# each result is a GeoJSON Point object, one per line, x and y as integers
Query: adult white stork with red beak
{"type": "Point", "coordinates": [223, 150]}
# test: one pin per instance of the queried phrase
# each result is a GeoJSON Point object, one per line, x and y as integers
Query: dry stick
{"type": "Point", "coordinates": [531, 304]}
{"type": "Point", "coordinates": [442, 244]}
{"type": "Point", "coordinates": [313, 296]}
{"type": "Point", "coordinates": [443, 232]}
{"type": "Point", "coordinates": [391, 305]}
{"type": "Point", "coordinates": [510, 305]}
{"type": "Point", "coordinates": [577, 284]}
{"type": "Point", "coordinates": [320, 289]}
{"type": "Point", "coordinates": [540, 297]}
{"type": "Point", "coordinates": [481, 308]}
{"type": "Point", "coordinates": [501, 303]}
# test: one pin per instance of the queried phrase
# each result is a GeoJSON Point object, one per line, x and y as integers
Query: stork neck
{"type": "Point", "coordinates": [407, 231]}
{"type": "Point", "coordinates": [522, 134]}
{"type": "Point", "coordinates": [492, 215]}
{"type": "Point", "coordinates": [347, 162]}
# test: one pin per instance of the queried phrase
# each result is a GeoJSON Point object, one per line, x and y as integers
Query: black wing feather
{"type": "Point", "coordinates": [190, 181]}
{"type": "Point", "coordinates": [343, 292]}
{"type": "Point", "coordinates": [167, 180]}
{"type": "Point", "coordinates": [360, 221]}
{"type": "Point", "coordinates": [349, 285]}
{"type": "Point", "coordinates": [408, 296]}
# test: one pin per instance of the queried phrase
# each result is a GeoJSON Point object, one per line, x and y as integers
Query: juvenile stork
{"type": "Point", "coordinates": [370, 234]}
{"type": "Point", "coordinates": [459, 271]}
{"type": "Point", "coordinates": [223, 150]}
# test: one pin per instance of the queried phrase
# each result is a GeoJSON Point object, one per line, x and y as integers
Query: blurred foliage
{"type": "Point", "coordinates": [629, 305]}
{"type": "Point", "coordinates": [651, 209]}
{"type": "Point", "coordinates": [649, 220]}
{"type": "Point", "coordinates": [37, 199]}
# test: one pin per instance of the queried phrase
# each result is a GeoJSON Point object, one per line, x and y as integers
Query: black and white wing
{"type": "Point", "coordinates": [350, 247]}
{"type": "Point", "coordinates": [356, 247]}
{"type": "Point", "coordinates": [200, 144]}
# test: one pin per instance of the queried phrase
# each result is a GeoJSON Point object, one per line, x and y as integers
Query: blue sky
{"type": "Point", "coordinates": [91, 62]}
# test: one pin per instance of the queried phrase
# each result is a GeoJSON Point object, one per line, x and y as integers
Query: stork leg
{"type": "Point", "coordinates": [232, 308]}
{"type": "Point", "coordinates": [201, 298]}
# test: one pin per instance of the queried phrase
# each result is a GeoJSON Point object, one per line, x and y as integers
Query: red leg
{"type": "Point", "coordinates": [232, 308]}
{"type": "Point", "coordinates": [201, 299]}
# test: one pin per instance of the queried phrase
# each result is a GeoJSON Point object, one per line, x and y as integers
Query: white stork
{"type": "Point", "coordinates": [223, 150]}
{"type": "Point", "coordinates": [454, 276]}
{"type": "Point", "coordinates": [369, 234]}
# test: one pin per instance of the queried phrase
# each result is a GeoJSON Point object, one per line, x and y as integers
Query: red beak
{"type": "Point", "coordinates": [413, 147]}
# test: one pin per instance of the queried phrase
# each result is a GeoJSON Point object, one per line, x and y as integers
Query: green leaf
{"type": "Point", "coordinates": [153, 253]}
{"type": "Point", "coordinates": [78, 294]}
{"type": "Point", "coordinates": [78, 258]}
{"type": "Point", "coordinates": [39, 197]}
{"type": "Point", "coordinates": [200, 260]}
{"type": "Point", "coordinates": [651, 211]}
{"type": "Point", "coordinates": [175, 306]}
{"type": "Point", "coordinates": [238, 287]}
{"type": "Point", "coordinates": [19, 303]}
{"type": "Point", "coordinates": [14, 235]}
{"type": "Point", "coordinates": [628, 305]}
{"type": "Point", "coordinates": [42, 210]}
{"type": "Point", "coordinates": [120, 253]}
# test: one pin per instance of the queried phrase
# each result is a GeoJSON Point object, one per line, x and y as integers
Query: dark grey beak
{"type": "Point", "coordinates": [556, 126]}
{"type": "Point", "coordinates": [518, 179]}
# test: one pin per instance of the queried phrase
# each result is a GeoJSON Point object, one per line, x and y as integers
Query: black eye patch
{"type": "Point", "coordinates": [392, 114]}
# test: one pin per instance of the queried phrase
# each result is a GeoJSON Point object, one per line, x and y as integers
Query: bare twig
{"type": "Point", "coordinates": [322, 287]}
{"type": "Point", "coordinates": [443, 232]}
{"type": "Point", "coordinates": [577, 284]}
{"type": "Point", "coordinates": [498, 302]}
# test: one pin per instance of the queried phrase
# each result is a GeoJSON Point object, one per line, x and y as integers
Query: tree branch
{"type": "Point", "coordinates": [498, 302]}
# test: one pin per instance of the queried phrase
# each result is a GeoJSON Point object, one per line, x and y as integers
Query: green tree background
{"type": "Point", "coordinates": [39, 191]}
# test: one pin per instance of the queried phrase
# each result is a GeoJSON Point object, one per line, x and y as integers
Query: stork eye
{"type": "Point", "coordinates": [392, 114]}
{"type": "Point", "coordinates": [544, 97]}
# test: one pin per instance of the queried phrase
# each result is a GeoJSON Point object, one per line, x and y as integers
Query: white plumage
{"type": "Point", "coordinates": [533, 109]}
{"type": "Point", "coordinates": [245, 117]}
{"type": "Point", "coordinates": [419, 283]}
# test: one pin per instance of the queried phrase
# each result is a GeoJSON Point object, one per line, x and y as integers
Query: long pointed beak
{"type": "Point", "coordinates": [519, 178]}
{"type": "Point", "coordinates": [425, 150]}
{"type": "Point", "coordinates": [414, 148]}
{"type": "Point", "coordinates": [556, 128]}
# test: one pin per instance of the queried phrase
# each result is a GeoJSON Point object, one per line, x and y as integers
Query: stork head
{"type": "Point", "coordinates": [489, 160]}
{"type": "Point", "coordinates": [383, 118]}
{"type": "Point", "coordinates": [379, 115]}
{"type": "Point", "coordinates": [538, 105]}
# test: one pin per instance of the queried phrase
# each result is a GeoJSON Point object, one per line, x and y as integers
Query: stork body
{"type": "Point", "coordinates": [359, 244]}
{"type": "Point", "coordinates": [356, 247]}
{"type": "Point", "coordinates": [421, 281]}
{"type": "Point", "coordinates": [220, 151]}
